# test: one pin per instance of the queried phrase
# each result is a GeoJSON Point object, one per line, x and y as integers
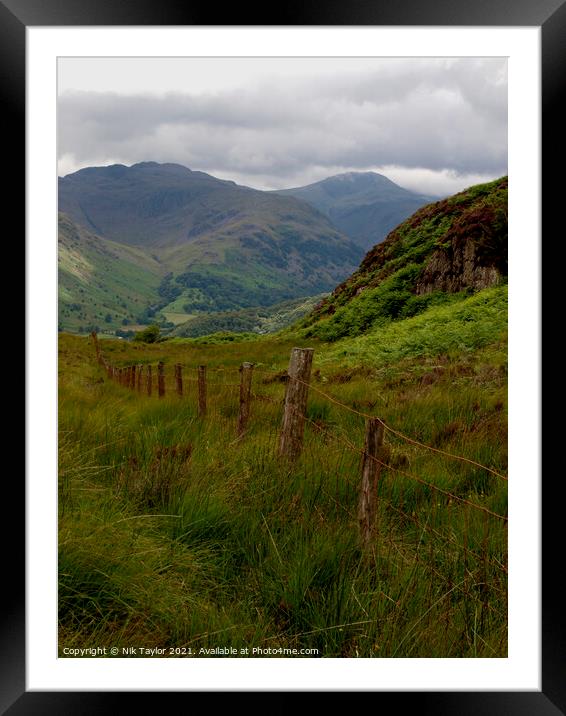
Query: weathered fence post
{"type": "Point", "coordinates": [148, 380]}
{"type": "Point", "coordinates": [140, 374]}
{"type": "Point", "coordinates": [132, 377]}
{"type": "Point", "coordinates": [245, 396]}
{"type": "Point", "coordinates": [96, 346]}
{"type": "Point", "coordinates": [179, 378]}
{"type": "Point", "coordinates": [201, 391]}
{"type": "Point", "coordinates": [296, 394]}
{"type": "Point", "coordinates": [160, 379]}
{"type": "Point", "coordinates": [371, 469]}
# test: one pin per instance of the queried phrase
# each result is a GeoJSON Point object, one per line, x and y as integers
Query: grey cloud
{"type": "Point", "coordinates": [439, 115]}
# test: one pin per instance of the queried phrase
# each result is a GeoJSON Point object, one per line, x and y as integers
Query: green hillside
{"type": "Point", "coordinates": [218, 246]}
{"type": "Point", "coordinates": [101, 283]}
{"type": "Point", "coordinates": [446, 251]}
{"type": "Point", "coordinates": [254, 320]}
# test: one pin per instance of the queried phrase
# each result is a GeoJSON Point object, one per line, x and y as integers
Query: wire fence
{"type": "Point", "coordinates": [407, 507]}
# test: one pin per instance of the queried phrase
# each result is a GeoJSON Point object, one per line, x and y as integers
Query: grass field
{"type": "Point", "coordinates": [175, 534]}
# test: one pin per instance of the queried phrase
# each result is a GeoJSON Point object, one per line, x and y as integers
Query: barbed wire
{"type": "Point", "coordinates": [409, 475]}
{"type": "Point", "coordinates": [398, 433]}
{"type": "Point", "coordinates": [339, 404]}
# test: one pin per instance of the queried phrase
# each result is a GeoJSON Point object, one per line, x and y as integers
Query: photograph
{"type": "Point", "coordinates": [283, 356]}
{"type": "Point", "coordinates": [282, 317]}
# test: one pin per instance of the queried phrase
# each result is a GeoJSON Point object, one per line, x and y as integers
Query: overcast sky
{"type": "Point", "coordinates": [431, 125]}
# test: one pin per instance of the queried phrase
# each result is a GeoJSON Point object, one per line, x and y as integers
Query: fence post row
{"type": "Point", "coordinates": [179, 378]}
{"type": "Point", "coordinates": [201, 391]}
{"type": "Point", "coordinates": [296, 394]}
{"type": "Point", "coordinates": [160, 379]}
{"type": "Point", "coordinates": [245, 396]}
{"type": "Point", "coordinates": [371, 469]}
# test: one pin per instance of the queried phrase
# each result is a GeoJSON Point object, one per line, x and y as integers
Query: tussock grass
{"type": "Point", "coordinates": [175, 533]}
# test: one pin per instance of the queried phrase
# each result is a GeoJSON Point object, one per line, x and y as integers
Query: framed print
{"type": "Point", "coordinates": [77, 122]}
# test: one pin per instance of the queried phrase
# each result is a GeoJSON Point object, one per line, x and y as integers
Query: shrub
{"type": "Point", "coordinates": [148, 335]}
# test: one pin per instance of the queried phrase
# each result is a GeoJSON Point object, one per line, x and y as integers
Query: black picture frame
{"type": "Point", "coordinates": [15, 17]}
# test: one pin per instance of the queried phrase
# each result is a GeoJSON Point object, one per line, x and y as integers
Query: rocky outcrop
{"type": "Point", "coordinates": [455, 244]}
{"type": "Point", "coordinates": [456, 268]}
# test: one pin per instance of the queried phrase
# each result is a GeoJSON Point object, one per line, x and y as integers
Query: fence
{"type": "Point", "coordinates": [294, 413]}
{"type": "Point", "coordinates": [389, 493]}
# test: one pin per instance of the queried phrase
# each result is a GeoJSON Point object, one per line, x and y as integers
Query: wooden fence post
{"type": "Point", "coordinates": [160, 379]}
{"type": "Point", "coordinates": [371, 469]}
{"type": "Point", "coordinates": [201, 391]}
{"type": "Point", "coordinates": [148, 380]}
{"type": "Point", "coordinates": [296, 394]}
{"type": "Point", "coordinates": [245, 396]}
{"type": "Point", "coordinates": [96, 346]}
{"type": "Point", "coordinates": [140, 374]}
{"type": "Point", "coordinates": [179, 378]}
{"type": "Point", "coordinates": [132, 377]}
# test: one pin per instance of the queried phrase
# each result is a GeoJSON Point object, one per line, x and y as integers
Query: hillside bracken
{"type": "Point", "coordinates": [444, 251]}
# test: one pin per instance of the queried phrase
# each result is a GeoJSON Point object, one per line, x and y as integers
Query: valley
{"type": "Point", "coordinates": [159, 243]}
{"type": "Point", "coordinates": [180, 531]}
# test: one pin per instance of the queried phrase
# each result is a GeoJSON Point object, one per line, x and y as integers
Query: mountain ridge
{"type": "Point", "coordinates": [218, 246]}
{"type": "Point", "coordinates": [363, 205]}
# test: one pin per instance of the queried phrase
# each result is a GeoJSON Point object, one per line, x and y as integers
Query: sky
{"type": "Point", "coordinates": [435, 126]}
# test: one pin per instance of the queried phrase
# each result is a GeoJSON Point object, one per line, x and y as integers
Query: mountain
{"type": "Point", "coordinates": [445, 252]}
{"type": "Point", "coordinates": [218, 246]}
{"type": "Point", "coordinates": [363, 205]}
{"type": "Point", "coordinates": [101, 283]}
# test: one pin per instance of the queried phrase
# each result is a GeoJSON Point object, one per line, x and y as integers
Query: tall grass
{"type": "Point", "coordinates": [175, 533]}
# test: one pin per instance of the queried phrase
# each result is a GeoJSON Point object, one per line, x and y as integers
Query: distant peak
{"type": "Point", "coordinates": [160, 165]}
{"type": "Point", "coordinates": [354, 176]}
{"type": "Point", "coordinates": [144, 164]}
{"type": "Point", "coordinates": [120, 169]}
{"type": "Point", "coordinates": [350, 175]}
